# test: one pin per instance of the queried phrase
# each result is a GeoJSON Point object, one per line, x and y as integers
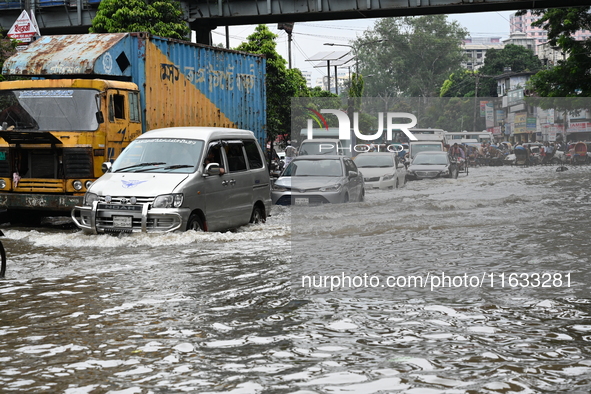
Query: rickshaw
{"type": "Point", "coordinates": [578, 155]}
{"type": "Point", "coordinates": [521, 156]}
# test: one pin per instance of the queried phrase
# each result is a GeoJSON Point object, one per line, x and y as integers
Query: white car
{"type": "Point", "coordinates": [381, 170]}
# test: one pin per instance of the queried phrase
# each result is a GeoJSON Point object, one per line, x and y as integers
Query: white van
{"type": "Point", "coordinates": [180, 178]}
{"type": "Point", "coordinates": [427, 142]}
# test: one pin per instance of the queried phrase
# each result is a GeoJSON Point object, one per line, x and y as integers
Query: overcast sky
{"type": "Point", "coordinates": [308, 37]}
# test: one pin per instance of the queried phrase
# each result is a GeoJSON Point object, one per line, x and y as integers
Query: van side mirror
{"type": "Point", "coordinates": [99, 117]}
{"type": "Point", "coordinates": [212, 169]}
{"type": "Point", "coordinates": [353, 174]}
{"type": "Point", "coordinates": [106, 166]}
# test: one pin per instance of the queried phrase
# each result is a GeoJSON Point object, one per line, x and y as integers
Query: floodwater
{"type": "Point", "coordinates": [226, 312]}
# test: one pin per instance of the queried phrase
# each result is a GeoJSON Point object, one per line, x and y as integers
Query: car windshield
{"type": "Point", "coordinates": [329, 167]}
{"type": "Point", "coordinates": [160, 155]}
{"type": "Point", "coordinates": [430, 159]}
{"type": "Point", "coordinates": [425, 148]}
{"type": "Point", "coordinates": [318, 148]}
{"type": "Point", "coordinates": [367, 161]}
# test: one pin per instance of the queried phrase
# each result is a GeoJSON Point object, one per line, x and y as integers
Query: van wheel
{"type": "Point", "coordinates": [257, 215]}
{"type": "Point", "coordinates": [195, 223]}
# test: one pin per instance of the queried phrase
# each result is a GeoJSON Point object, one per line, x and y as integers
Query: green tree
{"type": "Point", "coordinates": [409, 56]}
{"type": "Point", "coordinates": [518, 58]}
{"type": "Point", "coordinates": [459, 84]}
{"type": "Point", "coordinates": [464, 83]}
{"type": "Point", "coordinates": [569, 77]}
{"type": "Point", "coordinates": [281, 83]}
{"type": "Point", "coordinates": [163, 18]}
{"type": "Point", "coordinates": [7, 49]}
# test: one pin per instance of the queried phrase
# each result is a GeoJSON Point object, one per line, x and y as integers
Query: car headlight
{"type": "Point", "coordinates": [387, 177]}
{"type": "Point", "coordinates": [168, 201]}
{"type": "Point", "coordinates": [89, 198]}
{"type": "Point", "coordinates": [446, 172]}
{"type": "Point", "coordinates": [279, 188]}
{"type": "Point", "coordinates": [331, 188]}
{"type": "Point", "coordinates": [412, 173]}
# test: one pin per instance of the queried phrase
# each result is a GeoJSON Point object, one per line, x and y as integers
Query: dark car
{"type": "Point", "coordinates": [427, 165]}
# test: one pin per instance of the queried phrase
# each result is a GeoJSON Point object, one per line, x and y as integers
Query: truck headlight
{"type": "Point", "coordinates": [2, 184]}
{"type": "Point", "coordinates": [168, 201]}
{"type": "Point", "coordinates": [89, 198]}
{"type": "Point", "coordinates": [77, 185]}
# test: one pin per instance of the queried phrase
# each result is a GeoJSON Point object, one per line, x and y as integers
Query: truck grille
{"type": "Point", "coordinates": [78, 163]}
{"type": "Point", "coordinates": [40, 185]}
{"type": "Point", "coordinates": [5, 170]}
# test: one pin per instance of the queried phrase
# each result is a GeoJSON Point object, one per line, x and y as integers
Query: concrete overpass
{"type": "Point", "coordinates": [75, 16]}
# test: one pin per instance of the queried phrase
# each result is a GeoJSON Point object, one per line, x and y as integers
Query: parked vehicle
{"type": "Point", "coordinates": [381, 170]}
{"type": "Point", "coordinates": [521, 156]}
{"type": "Point", "coordinates": [185, 178]}
{"type": "Point", "coordinates": [94, 93]}
{"type": "Point", "coordinates": [319, 179]}
{"type": "Point", "coordinates": [427, 165]}
{"type": "Point", "coordinates": [578, 154]}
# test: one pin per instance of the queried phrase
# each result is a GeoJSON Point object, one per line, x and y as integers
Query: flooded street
{"type": "Point", "coordinates": [226, 312]}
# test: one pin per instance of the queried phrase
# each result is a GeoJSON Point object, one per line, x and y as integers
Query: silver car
{"type": "Point", "coordinates": [318, 180]}
{"type": "Point", "coordinates": [381, 170]}
{"type": "Point", "coordinates": [431, 165]}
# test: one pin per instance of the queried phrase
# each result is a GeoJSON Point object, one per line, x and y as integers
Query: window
{"type": "Point", "coordinates": [134, 107]}
{"type": "Point", "coordinates": [252, 154]}
{"type": "Point", "coordinates": [235, 156]}
{"type": "Point", "coordinates": [117, 107]}
{"type": "Point", "coordinates": [350, 166]}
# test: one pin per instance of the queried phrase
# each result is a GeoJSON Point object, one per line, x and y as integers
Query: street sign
{"type": "Point", "coordinates": [24, 30]}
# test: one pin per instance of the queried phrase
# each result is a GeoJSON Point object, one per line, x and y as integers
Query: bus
{"type": "Point", "coordinates": [459, 136]}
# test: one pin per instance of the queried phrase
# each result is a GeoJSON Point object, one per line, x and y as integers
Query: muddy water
{"type": "Point", "coordinates": [224, 312]}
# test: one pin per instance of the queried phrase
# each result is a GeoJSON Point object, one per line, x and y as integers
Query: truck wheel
{"type": "Point", "coordinates": [258, 216]}
{"type": "Point", "coordinates": [195, 223]}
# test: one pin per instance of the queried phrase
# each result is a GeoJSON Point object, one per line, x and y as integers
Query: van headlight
{"type": "Point", "coordinates": [279, 188]}
{"type": "Point", "coordinates": [168, 201]}
{"type": "Point", "coordinates": [89, 198]}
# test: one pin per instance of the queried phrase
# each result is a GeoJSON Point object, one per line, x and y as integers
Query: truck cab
{"type": "Point", "coordinates": [55, 136]}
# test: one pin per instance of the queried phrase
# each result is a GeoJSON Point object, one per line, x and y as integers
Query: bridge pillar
{"type": "Point", "coordinates": [202, 31]}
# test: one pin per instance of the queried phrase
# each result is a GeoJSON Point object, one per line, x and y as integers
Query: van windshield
{"type": "Point", "coordinates": [416, 148]}
{"type": "Point", "coordinates": [160, 155]}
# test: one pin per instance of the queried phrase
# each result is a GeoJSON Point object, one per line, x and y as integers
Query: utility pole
{"type": "Point", "coordinates": [288, 27]}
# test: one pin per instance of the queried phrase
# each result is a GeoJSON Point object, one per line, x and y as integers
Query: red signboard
{"type": "Point", "coordinates": [24, 29]}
